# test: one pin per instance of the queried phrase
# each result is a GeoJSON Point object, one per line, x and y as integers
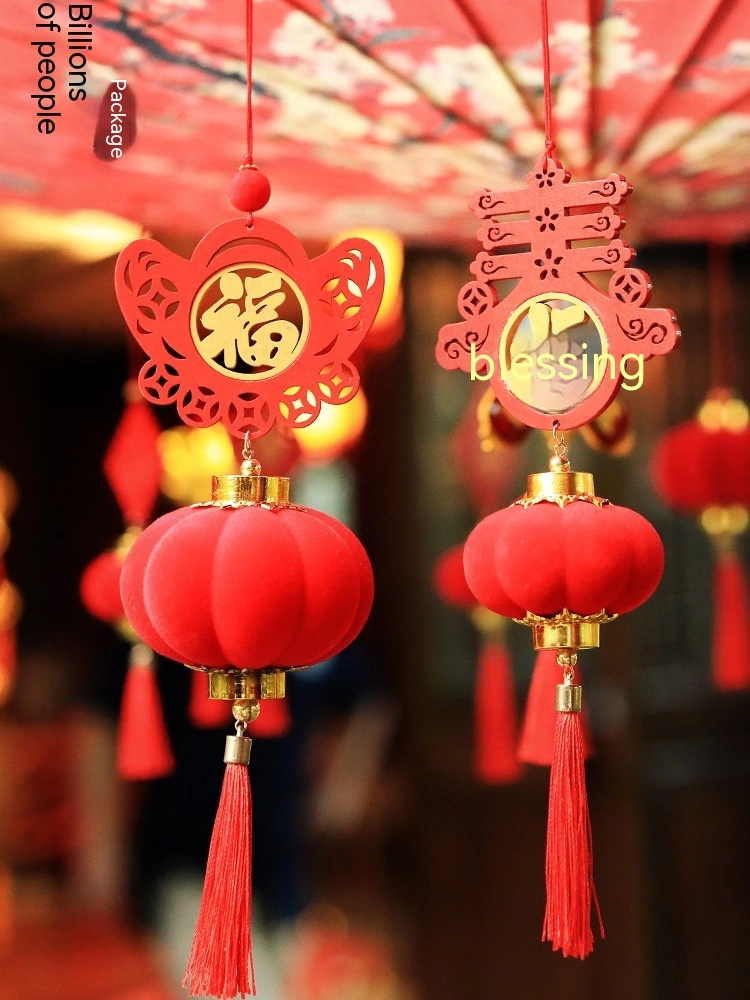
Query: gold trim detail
{"type": "Point", "coordinates": [244, 685]}
{"type": "Point", "coordinates": [566, 630]}
{"type": "Point", "coordinates": [560, 487]}
{"type": "Point", "coordinates": [237, 749]}
{"type": "Point", "coordinates": [568, 697]}
{"type": "Point", "coordinates": [250, 491]}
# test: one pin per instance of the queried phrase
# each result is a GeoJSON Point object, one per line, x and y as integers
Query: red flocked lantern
{"type": "Point", "coordinates": [563, 561]}
{"type": "Point", "coordinates": [299, 594]}
{"type": "Point", "coordinates": [701, 468]}
{"type": "Point", "coordinates": [243, 588]}
{"type": "Point", "coordinates": [582, 560]}
{"type": "Point", "coordinates": [495, 716]}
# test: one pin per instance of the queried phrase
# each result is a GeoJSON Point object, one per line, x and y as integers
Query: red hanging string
{"type": "Point", "coordinates": [249, 61]}
{"type": "Point", "coordinates": [249, 189]}
{"type": "Point", "coordinates": [549, 142]}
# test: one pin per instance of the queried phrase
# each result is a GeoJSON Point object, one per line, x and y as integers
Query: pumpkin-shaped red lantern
{"type": "Point", "coordinates": [563, 561]}
{"type": "Point", "coordinates": [244, 588]}
{"type": "Point", "coordinates": [575, 561]}
{"type": "Point", "coordinates": [247, 584]}
{"type": "Point", "coordinates": [701, 468]}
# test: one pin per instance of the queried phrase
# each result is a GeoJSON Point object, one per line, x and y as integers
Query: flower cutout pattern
{"type": "Point", "coordinates": [548, 265]}
{"type": "Point", "coordinates": [547, 220]}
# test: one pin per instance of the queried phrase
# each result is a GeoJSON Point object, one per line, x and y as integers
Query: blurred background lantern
{"type": "Point", "coordinates": [701, 468]}
{"type": "Point", "coordinates": [496, 428]}
{"type": "Point", "coordinates": [388, 326]}
{"type": "Point", "coordinates": [495, 714]}
{"type": "Point", "coordinates": [190, 457]}
{"type": "Point", "coordinates": [336, 430]}
{"type": "Point", "coordinates": [612, 431]}
{"type": "Point", "coordinates": [133, 469]}
{"type": "Point", "coordinates": [10, 600]}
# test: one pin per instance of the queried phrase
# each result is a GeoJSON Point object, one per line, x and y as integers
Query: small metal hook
{"type": "Point", "coordinates": [250, 464]}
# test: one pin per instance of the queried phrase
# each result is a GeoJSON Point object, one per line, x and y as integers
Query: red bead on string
{"type": "Point", "coordinates": [249, 189]}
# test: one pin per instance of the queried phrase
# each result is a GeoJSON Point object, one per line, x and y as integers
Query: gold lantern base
{"type": "Point", "coordinates": [244, 685]}
{"type": "Point", "coordinates": [565, 630]}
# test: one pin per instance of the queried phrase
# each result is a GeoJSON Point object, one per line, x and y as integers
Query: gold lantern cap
{"type": "Point", "coordinates": [237, 491]}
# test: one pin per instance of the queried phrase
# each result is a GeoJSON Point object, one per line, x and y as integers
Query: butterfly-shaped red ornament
{"type": "Point", "coordinates": [538, 344]}
{"type": "Point", "coordinates": [249, 330]}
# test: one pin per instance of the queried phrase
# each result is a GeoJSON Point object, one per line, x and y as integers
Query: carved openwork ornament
{"type": "Point", "coordinates": [249, 330]}
{"type": "Point", "coordinates": [550, 343]}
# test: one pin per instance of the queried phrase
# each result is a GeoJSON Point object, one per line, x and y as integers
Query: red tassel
{"type": "Point", "coordinates": [570, 863]}
{"type": "Point", "coordinates": [730, 661]}
{"type": "Point", "coordinates": [205, 712]}
{"type": "Point", "coordinates": [536, 745]}
{"type": "Point", "coordinates": [221, 960]}
{"type": "Point", "coordinates": [143, 750]}
{"type": "Point", "coordinates": [273, 721]}
{"type": "Point", "coordinates": [495, 757]}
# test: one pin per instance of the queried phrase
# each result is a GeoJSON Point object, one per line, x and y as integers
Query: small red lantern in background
{"type": "Point", "coordinates": [612, 431]}
{"type": "Point", "coordinates": [495, 717]}
{"type": "Point", "coordinates": [701, 468]}
{"type": "Point", "coordinates": [133, 469]}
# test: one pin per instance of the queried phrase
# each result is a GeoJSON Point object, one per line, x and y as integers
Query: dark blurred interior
{"type": "Point", "coordinates": [445, 871]}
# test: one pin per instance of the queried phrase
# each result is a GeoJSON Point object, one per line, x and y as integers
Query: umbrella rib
{"type": "Point", "coordinates": [721, 9]}
{"type": "Point", "coordinates": [470, 18]}
{"type": "Point", "coordinates": [138, 37]}
{"type": "Point", "coordinates": [699, 127]}
{"type": "Point", "coordinates": [451, 115]}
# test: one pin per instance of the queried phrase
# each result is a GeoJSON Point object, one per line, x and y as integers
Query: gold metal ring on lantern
{"type": "Point", "coordinates": [244, 685]}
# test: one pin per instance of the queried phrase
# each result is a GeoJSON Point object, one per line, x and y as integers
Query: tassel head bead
{"type": "Point", "coordinates": [568, 698]}
{"type": "Point", "coordinates": [237, 750]}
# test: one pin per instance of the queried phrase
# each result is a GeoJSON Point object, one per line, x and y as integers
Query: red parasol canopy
{"type": "Point", "coordinates": [391, 112]}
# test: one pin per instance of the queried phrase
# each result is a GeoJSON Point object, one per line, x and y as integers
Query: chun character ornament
{"type": "Point", "coordinates": [554, 347]}
{"type": "Point", "coordinates": [555, 350]}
